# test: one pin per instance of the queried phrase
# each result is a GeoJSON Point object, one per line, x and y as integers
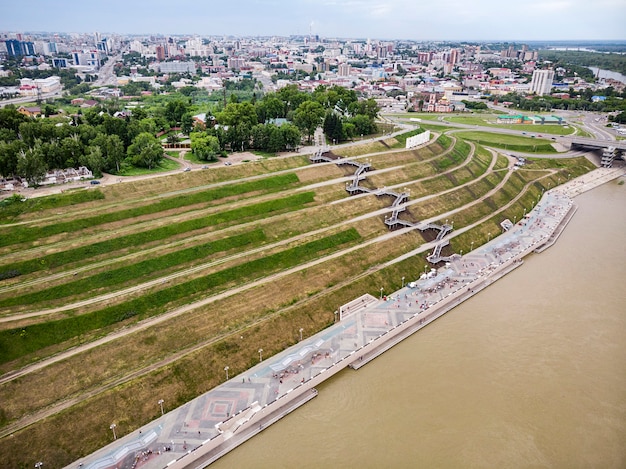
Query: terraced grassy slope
{"type": "Point", "coordinates": [150, 287]}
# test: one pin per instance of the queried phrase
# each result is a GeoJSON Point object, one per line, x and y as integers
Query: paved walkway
{"type": "Point", "coordinates": [203, 429]}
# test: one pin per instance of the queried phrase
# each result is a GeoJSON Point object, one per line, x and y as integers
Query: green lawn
{"type": "Point", "coordinates": [165, 165]}
{"type": "Point", "coordinates": [488, 120]}
{"type": "Point", "coordinates": [509, 142]}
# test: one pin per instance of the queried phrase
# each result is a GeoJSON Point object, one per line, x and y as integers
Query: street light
{"type": "Point", "coordinates": [472, 246]}
{"type": "Point", "coordinates": [402, 282]}
{"type": "Point", "coordinates": [226, 370]}
{"type": "Point", "coordinates": [112, 427]}
{"type": "Point", "coordinates": [161, 401]}
{"type": "Point", "coordinates": [461, 252]}
{"type": "Point", "coordinates": [336, 312]}
{"type": "Point", "coordinates": [301, 334]}
{"type": "Point", "coordinates": [38, 465]}
{"type": "Point", "coordinates": [260, 354]}
{"type": "Point", "coordinates": [381, 292]}
{"type": "Point", "coordinates": [488, 236]}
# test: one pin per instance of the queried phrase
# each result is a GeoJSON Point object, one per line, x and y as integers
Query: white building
{"type": "Point", "coordinates": [177, 67]}
{"type": "Point", "coordinates": [30, 87]}
{"type": "Point", "coordinates": [541, 82]}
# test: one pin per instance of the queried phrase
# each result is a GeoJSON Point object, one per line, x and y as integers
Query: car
{"type": "Point", "coordinates": [227, 163]}
{"type": "Point", "coordinates": [553, 138]}
{"type": "Point", "coordinates": [523, 133]}
{"type": "Point", "coordinates": [539, 135]}
{"type": "Point", "coordinates": [94, 182]}
{"type": "Point", "coordinates": [187, 169]}
{"type": "Point", "coordinates": [205, 166]}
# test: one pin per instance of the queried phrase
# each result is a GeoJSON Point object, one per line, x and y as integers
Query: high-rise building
{"type": "Point", "coordinates": [160, 53]}
{"type": "Point", "coordinates": [541, 83]}
{"type": "Point", "coordinates": [453, 58]}
{"type": "Point", "coordinates": [15, 47]}
{"type": "Point", "coordinates": [344, 70]}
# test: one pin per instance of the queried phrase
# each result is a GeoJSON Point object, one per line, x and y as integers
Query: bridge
{"type": "Point", "coordinates": [597, 143]}
{"type": "Point", "coordinates": [611, 149]}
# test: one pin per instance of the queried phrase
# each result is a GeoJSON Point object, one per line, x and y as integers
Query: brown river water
{"type": "Point", "coordinates": [531, 372]}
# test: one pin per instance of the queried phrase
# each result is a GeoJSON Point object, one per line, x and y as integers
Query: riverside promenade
{"type": "Point", "coordinates": [199, 432]}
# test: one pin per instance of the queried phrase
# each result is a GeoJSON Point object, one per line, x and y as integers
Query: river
{"type": "Point", "coordinates": [598, 72]}
{"type": "Point", "coordinates": [531, 372]}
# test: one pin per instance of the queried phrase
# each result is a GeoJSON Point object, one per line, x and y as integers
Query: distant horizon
{"type": "Point", "coordinates": [574, 42]}
{"type": "Point", "coordinates": [537, 21]}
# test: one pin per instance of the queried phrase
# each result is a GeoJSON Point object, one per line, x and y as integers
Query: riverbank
{"type": "Point", "coordinates": [215, 422]}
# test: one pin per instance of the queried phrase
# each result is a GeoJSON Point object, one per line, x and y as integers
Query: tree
{"type": "Point", "coordinates": [31, 166]}
{"type": "Point", "coordinates": [260, 136]}
{"type": "Point", "coordinates": [72, 148]}
{"type": "Point", "coordinates": [205, 147]}
{"type": "Point", "coordinates": [275, 141]}
{"type": "Point", "coordinates": [308, 117]}
{"type": "Point", "coordinates": [93, 160]}
{"type": "Point", "coordinates": [10, 118]}
{"type": "Point", "coordinates": [175, 110]}
{"type": "Point", "coordinates": [235, 114]}
{"type": "Point", "coordinates": [291, 136]}
{"type": "Point", "coordinates": [9, 156]}
{"type": "Point", "coordinates": [186, 123]}
{"type": "Point", "coordinates": [270, 108]}
{"type": "Point", "coordinates": [292, 97]}
{"type": "Point", "coordinates": [145, 151]}
{"type": "Point", "coordinates": [333, 127]}
{"type": "Point", "coordinates": [367, 107]}
{"type": "Point", "coordinates": [363, 125]}
{"type": "Point", "coordinates": [112, 149]}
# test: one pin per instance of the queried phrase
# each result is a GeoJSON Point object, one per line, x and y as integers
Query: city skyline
{"type": "Point", "coordinates": [450, 20]}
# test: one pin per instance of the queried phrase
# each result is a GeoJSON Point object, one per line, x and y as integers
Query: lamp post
{"type": "Point", "coordinates": [226, 370]}
{"type": "Point", "coordinates": [112, 427]}
{"type": "Point", "coordinates": [161, 401]}
{"type": "Point", "coordinates": [38, 465]}
{"type": "Point", "coordinates": [301, 334]}
{"type": "Point", "coordinates": [488, 236]}
{"type": "Point", "coordinates": [381, 292]}
{"type": "Point", "coordinates": [260, 354]}
{"type": "Point", "coordinates": [336, 312]}
{"type": "Point", "coordinates": [472, 246]}
{"type": "Point", "coordinates": [461, 252]}
{"type": "Point", "coordinates": [402, 282]}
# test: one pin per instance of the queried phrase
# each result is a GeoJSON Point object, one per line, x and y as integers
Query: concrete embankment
{"type": "Point", "coordinates": [385, 342]}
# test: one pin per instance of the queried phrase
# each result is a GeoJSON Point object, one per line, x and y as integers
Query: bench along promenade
{"type": "Point", "coordinates": [204, 429]}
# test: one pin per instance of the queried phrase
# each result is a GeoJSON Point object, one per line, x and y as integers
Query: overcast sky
{"type": "Point", "coordinates": [471, 20]}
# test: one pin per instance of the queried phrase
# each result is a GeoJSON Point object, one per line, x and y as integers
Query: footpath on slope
{"type": "Point", "coordinates": [207, 427]}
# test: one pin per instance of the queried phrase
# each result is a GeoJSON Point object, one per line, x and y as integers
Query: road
{"type": "Point", "coordinates": [105, 74]}
{"type": "Point", "coordinates": [30, 99]}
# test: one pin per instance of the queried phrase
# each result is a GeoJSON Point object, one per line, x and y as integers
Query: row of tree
{"type": "Point", "coordinates": [29, 147]}
{"type": "Point", "coordinates": [261, 125]}
{"type": "Point", "coordinates": [584, 102]}
{"type": "Point", "coordinates": [102, 142]}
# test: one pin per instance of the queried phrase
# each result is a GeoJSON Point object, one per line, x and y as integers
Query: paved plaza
{"type": "Point", "coordinates": [367, 326]}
